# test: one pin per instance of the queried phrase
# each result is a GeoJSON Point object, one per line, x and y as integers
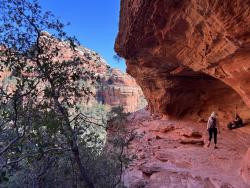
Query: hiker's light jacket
{"type": "Point", "coordinates": [210, 122]}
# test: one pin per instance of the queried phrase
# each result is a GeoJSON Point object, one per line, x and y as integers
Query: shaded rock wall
{"type": "Point", "coordinates": [188, 53]}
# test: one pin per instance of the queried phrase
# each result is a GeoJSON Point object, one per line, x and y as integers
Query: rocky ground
{"type": "Point", "coordinates": [173, 154]}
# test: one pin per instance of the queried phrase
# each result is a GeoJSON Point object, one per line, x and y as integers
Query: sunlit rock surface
{"type": "Point", "coordinates": [120, 89]}
{"type": "Point", "coordinates": [114, 87]}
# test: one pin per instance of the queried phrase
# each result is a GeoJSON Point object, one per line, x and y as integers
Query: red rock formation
{"type": "Point", "coordinates": [116, 88]}
{"type": "Point", "coordinates": [120, 89]}
{"type": "Point", "coordinates": [189, 56]}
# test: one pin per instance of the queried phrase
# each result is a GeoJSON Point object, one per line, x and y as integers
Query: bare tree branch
{"type": "Point", "coordinates": [10, 144]}
{"type": "Point", "coordinates": [35, 154]}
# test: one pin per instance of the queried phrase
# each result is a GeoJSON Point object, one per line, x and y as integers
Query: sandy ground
{"type": "Point", "coordinates": [173, 154]}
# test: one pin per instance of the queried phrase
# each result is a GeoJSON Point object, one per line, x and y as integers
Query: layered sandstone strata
{"type": "Point", "coordinates": [189, 56]}
{"type": "Point", "coordinates": [120, 89]}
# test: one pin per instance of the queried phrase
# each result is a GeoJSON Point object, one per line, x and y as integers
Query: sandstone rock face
{"type": "Point", "coordinates": [120, 89]}
{"type": "Point", "coordinates": [189, 56]}
{"type": "Point", "coordinates": [115, 88]}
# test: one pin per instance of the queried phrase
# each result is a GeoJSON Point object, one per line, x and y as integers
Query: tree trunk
{"type": "Point", "coordinates": [73, 144]}
{"type": "Point", "coordinates": [81, 168]}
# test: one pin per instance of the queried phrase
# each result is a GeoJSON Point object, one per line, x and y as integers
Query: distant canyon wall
{"type": "Point", "coordinates": [120, 89]}
{"type": "Point", "coordinates": [114, 88]}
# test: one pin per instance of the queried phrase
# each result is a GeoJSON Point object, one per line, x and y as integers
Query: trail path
{"type": "Point", "coordinates": [172, 154]}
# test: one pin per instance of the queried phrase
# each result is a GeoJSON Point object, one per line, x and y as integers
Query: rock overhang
{"type": "Point", "coordinates": [188, 54]}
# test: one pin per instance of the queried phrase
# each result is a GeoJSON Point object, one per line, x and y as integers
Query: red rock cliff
{"type": "Point", "coordinates": [189, 56]}
{"type": "Point", "coordinates": [120, 89]}
{"type": "Point", "coordinates": [116, 88]}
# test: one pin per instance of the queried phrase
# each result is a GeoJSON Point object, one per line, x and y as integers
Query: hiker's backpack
{"type": "Point", "coordinates": [213, 123]}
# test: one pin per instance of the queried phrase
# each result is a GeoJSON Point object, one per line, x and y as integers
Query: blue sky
{"type": "Point", "coordinates": [93, 22]}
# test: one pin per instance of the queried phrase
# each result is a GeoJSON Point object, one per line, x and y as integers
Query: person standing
{"type": "Point", "coordinates": [213, 128]}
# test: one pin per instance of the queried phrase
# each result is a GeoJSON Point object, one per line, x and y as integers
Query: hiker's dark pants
{"type": "Point", "coordinates": [213, 131]}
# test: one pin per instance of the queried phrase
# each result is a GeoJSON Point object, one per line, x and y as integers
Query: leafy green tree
{"type": "Point", "coordinates": [41, 105]}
